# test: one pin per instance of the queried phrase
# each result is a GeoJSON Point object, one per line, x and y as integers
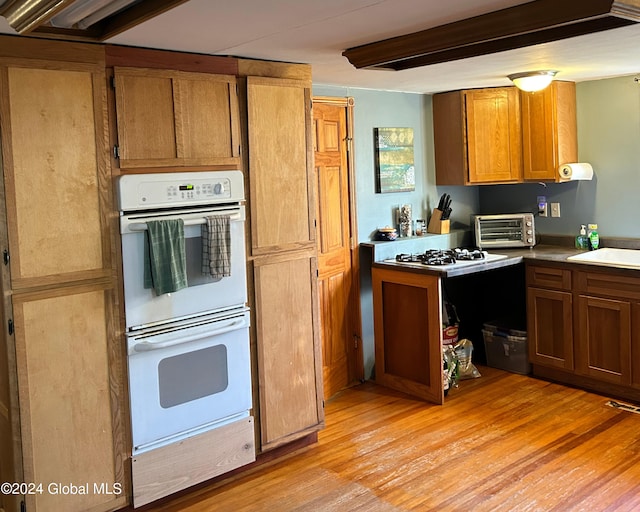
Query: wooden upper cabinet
{"type": "Point", "coordinates": [174, 118]}
{"type": "Point", "coordinates": [280, 165]}
{"type": "Point", "coordinates": [55, 159]}
{"type": "Point", "coordinates": [549, 130]}
{"type": "Point", "coordinates": [493, 135]}
{"type": "Point", "coordinates": [477, 136]}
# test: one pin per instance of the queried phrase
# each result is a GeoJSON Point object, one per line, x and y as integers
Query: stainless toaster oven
{"type": "Point", "coordinates": [505, 230]}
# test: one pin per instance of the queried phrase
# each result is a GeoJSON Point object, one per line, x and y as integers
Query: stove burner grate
{"type": "Point", "coordinates": [441, 256]}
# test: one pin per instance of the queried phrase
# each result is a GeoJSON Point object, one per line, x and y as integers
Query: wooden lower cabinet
{"type": "Point", "coordinates": [582, 328]}
{"type": "Point", "coordinates": [603, 349]}
{"type": "Point", "coordinates": [407, 329]}
{"type": "Point", "coordinates": [288, 348]}
{"type": "Point", "coordinates": [69, 418]}
{"type": "Point", "coordinates": [550, 328]}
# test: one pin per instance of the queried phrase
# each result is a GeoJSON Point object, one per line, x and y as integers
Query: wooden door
{"type": "Point", "coordinates": [604, 339]}
{"type": "Point", "coordinates": [341, 347]}
{"type": "Point", "coordinates": [493, 135]}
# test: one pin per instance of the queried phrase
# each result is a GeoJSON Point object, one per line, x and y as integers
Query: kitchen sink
{"type": "Point", "coordinates": [625, 258]}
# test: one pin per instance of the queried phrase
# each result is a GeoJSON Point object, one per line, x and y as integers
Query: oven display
{"type": "Point", "coordinates": [186, 187]}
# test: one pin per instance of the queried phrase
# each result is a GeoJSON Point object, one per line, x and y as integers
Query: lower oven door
{"type": "Point", "coordinates": [189, 378]}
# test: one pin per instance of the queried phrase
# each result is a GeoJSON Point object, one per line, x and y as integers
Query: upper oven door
{"type": "Point", "coordinates": [203, 294]}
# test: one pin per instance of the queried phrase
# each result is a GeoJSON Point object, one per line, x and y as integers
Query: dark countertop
{"type": "Point", "coordinates": [540, 253]}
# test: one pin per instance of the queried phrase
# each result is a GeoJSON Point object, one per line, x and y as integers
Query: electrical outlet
{"type": "Point", "coordinates": [555, 209]}
{"type": "Point", "coordinates": [542, 206]}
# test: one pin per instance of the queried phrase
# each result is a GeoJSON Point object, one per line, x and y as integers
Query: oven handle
{"type": "Point", "coordinates": [147, 346]}
{"type": "Point", "coordinates": [142, 226]}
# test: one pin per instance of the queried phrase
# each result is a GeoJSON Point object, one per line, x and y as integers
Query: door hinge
{"type": "Point", "coordinates": [113, 82]}
{"type": "Point", "coordinates": [356, 340]}
{"type": "Point", "coordinates": [23, 506]}
{"type": "Point", "coordinates": [116, 152]}
{"type": "Point", "coordinates": [5, 256]}
{"type": "Point", "coordinates": [10, 326]}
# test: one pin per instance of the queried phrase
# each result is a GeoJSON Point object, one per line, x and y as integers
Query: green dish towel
{"type": "Point", "coordinates": [165, 268]}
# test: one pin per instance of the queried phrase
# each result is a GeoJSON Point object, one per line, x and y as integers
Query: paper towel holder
{"type": "Point", "coordinates": [575, 171]}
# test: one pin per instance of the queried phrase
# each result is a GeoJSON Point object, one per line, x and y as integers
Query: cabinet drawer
{"type": "Point", "coordinates": [604, 283]}
{"type": "Point", "coordinates": [549, 277]}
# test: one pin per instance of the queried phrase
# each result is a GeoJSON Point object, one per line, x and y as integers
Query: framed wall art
{"type": "Point", "coordinates": [395, 169]}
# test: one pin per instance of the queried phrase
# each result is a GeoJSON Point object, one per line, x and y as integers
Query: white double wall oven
{"type": "Point", "coordinates": [188, 350]}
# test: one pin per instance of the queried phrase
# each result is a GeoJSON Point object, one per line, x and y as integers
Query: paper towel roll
{"type": "Point", "coordinates": [578, 171]}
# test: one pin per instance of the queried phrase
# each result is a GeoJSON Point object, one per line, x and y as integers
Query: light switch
{"type": "Point", "coordinates": [555, 209]}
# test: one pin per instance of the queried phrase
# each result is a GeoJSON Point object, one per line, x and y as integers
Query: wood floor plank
{"type": "Point", "coordinates": [500, 443]}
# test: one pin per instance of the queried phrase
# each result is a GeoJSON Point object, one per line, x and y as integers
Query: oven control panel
{"type": "Point", "coordinates": [194, 191]}
{"type": "Point", "coordinates": [145, 191]}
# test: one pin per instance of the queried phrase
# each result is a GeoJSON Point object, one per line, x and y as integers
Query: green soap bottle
{"type": "Point", "coordinates": [582, 241]}
{"type": "Point", "coordinates": [594, 238]}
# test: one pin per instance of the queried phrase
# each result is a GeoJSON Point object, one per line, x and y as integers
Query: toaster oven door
{"type": "Point", "coordinates": [504, 231]}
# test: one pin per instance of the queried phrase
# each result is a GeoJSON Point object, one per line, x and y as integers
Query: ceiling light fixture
{"type": "Point", "coordinates": [532, 81]}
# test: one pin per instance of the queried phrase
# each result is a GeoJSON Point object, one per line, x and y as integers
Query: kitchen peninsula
{"type": "Point", "coordinates": [581, 317]}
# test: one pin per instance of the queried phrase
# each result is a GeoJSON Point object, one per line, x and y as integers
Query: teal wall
{"type": "Point", "coordinates": [609, 139]}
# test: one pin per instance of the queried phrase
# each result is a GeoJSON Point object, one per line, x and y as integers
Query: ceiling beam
{"type": "Point", "coordinates": [112, 25]}
{"type": "Point", "coordinates": [527, 24]}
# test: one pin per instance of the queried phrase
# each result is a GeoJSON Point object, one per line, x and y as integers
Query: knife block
{"type": "Point", "coordinates": [436, 224]}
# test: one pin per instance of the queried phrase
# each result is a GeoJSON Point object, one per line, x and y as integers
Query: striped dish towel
{"type": "Point", "coordinates": [216, 246]}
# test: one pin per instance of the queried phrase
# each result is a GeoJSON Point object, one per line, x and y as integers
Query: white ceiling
{"type": "Point", "coordinates": [317, 31]}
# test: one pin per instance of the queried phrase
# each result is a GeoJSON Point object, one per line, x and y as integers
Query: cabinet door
{"type": "Point", "coordinates": [494, 142]}
{"type": "Point", "coordinates": [63, 345]}
{"type": "Point", "coordinates": [289, 361]}
{"type": "Point", "coordinates": [407, 327]}
{"type": "Point", "coordinates": [549, 130]}
{"type": "Point", "coordinates": [55, 175]}
{"type": "Point", "coordinates": [604, 339]}
{"type": "Point", "coordinates": [173, 118]}
{"type": "Point", "coordinates": [449, 138]}
{"type": "Point", "coordinates": [550, 328]}
{"type": "Point", "coordinates": [280, 165]}
{"type": "Point", "coordinates": [635, 345]}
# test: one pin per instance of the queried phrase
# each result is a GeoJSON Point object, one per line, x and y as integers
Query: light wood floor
{"type": "Point", "coordinates": [503, 442]}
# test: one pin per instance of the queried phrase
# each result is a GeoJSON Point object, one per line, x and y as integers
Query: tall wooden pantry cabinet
{"type": "Point", "coordinates": [283, 255]}
{"type": "Point", "coordinates": [61, 390]}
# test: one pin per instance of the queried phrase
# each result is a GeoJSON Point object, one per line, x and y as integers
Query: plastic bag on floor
{"type": "Point", "coordinates": [466, 369]}
{"type": "Point", "coordinates": [449, 368]}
